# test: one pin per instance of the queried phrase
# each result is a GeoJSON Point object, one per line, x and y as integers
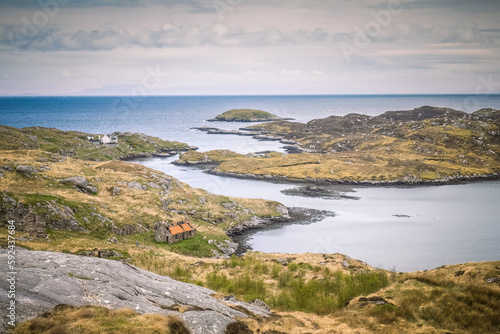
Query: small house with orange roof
{"type": "Point", "coordinates": [174, 232]}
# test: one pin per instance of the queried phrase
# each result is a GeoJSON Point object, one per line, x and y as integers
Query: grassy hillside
{"type": "Point", "coordinates": [315, 293]}
{"type": "Point", "coordinates": [128, 197]}
{"type": "Point", "coordinates": [425, 144]}
{"type": "Point", "coordinates": [246, 115]}
{"type": "Point", "coordinates": [75, 144]}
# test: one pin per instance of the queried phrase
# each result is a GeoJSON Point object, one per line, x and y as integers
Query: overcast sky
{"type": "Point", "coordinates": [199, 47]}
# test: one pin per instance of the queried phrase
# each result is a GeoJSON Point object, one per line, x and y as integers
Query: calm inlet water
{"type": "Point", "coordinates": [447, 224]}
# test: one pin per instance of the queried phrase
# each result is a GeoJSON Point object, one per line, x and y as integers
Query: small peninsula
{"type": "Point", "coordinates": [423, 145]}
{"type": "Point", "coordinates": [87, 146]}
{"type": "Point", "coordinates": [246, 115]}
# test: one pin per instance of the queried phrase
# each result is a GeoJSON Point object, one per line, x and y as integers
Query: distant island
{"type": "Point", "coordinates": [247, 115]}
{"type": "Point", "coordinates": [426, 144]}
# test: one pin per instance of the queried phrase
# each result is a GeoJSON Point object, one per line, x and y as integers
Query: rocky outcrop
{"type": "Point", "coordinates": [102, 253]}
{"type": "Point", "coordinates": [49, 279]}
{"type": "Point", "coordinates": [81, 184]}
{"type": "Point", "coordinates": [136, 185]}
{"type": "Point", "coordinates": [253, 223]}
{"type": "Point", "coordinates": [227, 247]}
{"type": "Point", "coordinates": [128, 229]}
{"type": "Point", "coordinates": [115, 191]}
{"type": "Point", "coordinates": [35, 219]}
{"type": "Point", "coordinates": [240, 233]}
{"type": "Point", "coordinates": [26, 170]}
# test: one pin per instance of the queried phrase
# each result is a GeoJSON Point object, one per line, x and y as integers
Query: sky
{"type": "Point", "coordinates": [249, 47]}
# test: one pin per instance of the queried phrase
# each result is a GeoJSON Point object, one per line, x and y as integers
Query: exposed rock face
{"type": "Point", "coordinates": [282, 210]}
{"type": "Point", "coordinates": [36, 219]}
{"type": "Point", "coordinates": [49, 279]}
{"type": "Point", "coordinates": [136, 185]}
{"type": "Point", "coordinates": [261, 304]}
{"type": "Point", "coordinates": [255, 222]}
{"type": "Point", "coordinates": [26, 170]}
{"type": "Point", "coordinates": [81, 184]}
{"type": "Point", "coordinates": [26, 220]}
{"type": "Point", "coordinates": [102, 253]}
{"type": "Point", "coordinates": [115, 191]}
{"type": "Point", "coordinates": [128, 229]}
{"type": "Point", "coordinates": [229, 247]}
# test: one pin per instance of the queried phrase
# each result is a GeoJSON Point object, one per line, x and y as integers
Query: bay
{"type": "Point", "coordinates": [446, 224]}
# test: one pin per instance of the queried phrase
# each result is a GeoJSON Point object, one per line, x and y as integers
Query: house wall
{"type": "Point", "coordinates": [163, 234]}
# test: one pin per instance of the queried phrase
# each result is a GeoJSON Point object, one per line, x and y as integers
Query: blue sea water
{"type": "Point", "coordinates": [448, 224]}
{"type": "Point", "coordinates": [172, 117]}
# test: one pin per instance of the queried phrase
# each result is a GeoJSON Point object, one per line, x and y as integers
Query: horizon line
{"type": "Point", "coordinates": [27, 95]}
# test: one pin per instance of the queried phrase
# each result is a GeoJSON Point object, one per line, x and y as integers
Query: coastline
{"type": "Point", "coordinates": [303, 216]}
{"type": "Point", "coordinates": [329, 182]}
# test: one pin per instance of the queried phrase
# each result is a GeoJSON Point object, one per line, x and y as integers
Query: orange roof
{"type": "Point", "coordinates": [176, 229]}
{"type": "Point", "coordinates": [186, 227]}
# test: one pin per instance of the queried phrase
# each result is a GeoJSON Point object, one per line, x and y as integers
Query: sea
{"type": "Point", "coordinates": [399, 228]}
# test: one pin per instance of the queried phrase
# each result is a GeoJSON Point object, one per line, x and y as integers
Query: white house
{"type": "Point", "coordinates": [108, 139]}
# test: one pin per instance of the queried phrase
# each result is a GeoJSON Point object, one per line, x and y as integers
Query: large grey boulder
{"type": "Point", "coordinates": [26, 170]}
{"type": "Point", "coordinates": [81, 184]}
{"type": "Point", "coordinates": [136, 185]}
{"type": "Point", "coordinates": [46, 279]}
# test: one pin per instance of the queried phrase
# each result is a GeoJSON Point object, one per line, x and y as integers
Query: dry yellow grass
{"type": "Point", "coordinates": [131, 206]}
{"type": "Point", "coordinates": [65, 319]}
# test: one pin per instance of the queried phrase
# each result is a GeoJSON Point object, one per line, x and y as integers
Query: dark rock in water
{"type": "Point", "coordinates": [49, 279]}
{"type": "Point", "coordinates": [336, 192]}
{"type": "Point", "coordinates": [26, 170]}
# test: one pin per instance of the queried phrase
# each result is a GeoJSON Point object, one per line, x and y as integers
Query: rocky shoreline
{"type": "Point", "coordinates": [303, 216]}
{"type": "Point", "coordinates": [158, 154]}
{"type": "Point", "coordinates": [291, 145]}
{"type": "Point", "coordinates": [408, 182]}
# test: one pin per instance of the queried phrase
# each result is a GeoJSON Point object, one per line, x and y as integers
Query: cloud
{"type": "Point", "coordinates": [406, 32]}
{"type": "Point", "coordinates": [176, 36]}
{"type": "Point", "coordinates": [169, 36]}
